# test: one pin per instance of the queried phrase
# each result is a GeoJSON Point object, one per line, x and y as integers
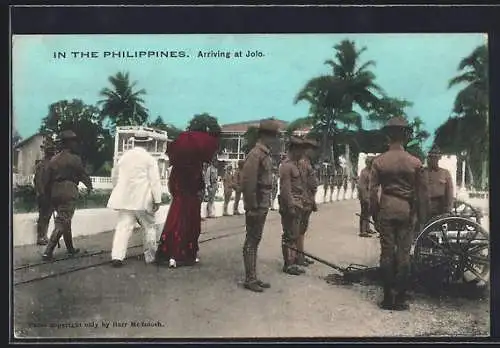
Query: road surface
{"type": "Point", "coordinates": [208, 301]}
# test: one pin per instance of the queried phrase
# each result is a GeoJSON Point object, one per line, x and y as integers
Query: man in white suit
{"type": "Point", "coordinates": [137, 196]}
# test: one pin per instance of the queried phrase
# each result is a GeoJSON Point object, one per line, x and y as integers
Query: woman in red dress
{"type": "Point", "coordinates": [179, 239]}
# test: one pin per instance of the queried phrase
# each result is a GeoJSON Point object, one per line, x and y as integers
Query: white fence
{"type": "Point", "coordinates": [477, 198]}
{"type": "Point", "coordinates": [98, 182]}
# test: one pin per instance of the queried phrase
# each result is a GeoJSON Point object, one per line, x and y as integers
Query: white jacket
{"type": "Point", "coordinates": [136, 182]}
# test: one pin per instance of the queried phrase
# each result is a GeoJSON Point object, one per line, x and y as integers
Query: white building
{"type": "Point", "coordinates": [233, 140]}
{"type": "Point", "coordinates": [157, 148]}
{"type": "Point", "coordinates": [26, 154]}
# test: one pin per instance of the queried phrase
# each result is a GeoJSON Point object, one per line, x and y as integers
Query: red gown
{"type": "Point", "coordinates": [179, 239]}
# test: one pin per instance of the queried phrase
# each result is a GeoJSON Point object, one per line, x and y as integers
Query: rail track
{"type": "Point", "coordinates": [75, 265]}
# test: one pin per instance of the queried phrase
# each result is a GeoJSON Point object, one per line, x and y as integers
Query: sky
{"type": "Point", "coordinates": [416, 67]}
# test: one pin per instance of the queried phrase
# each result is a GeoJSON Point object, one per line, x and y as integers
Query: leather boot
{"type": "Point", "coordinates": [289, 267]}
{"type": "Point", "coordinates": [251, 282]}
{"type": "Point", "coordinates": [401, 288]}
{"type": "Point", "coordinates": [49, 250]}
{"type": "Point", "coordinates": [247, 262]}
{"type": "Point", "coordinates": [68, 241]}
{"type": "Point", "coordinates": [400, 302]}
{"type": "Point", "coordinates": [387, 302]}
{"type": "Point", "coordinates": [300, 259]}
{"type": "Point", "coordinates": [41, 233]}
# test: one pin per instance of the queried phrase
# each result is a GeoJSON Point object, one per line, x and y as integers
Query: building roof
{"type": "Point", "coordinates": [27, 140]}
{"type": "Point", "coordinates": [241, 127]}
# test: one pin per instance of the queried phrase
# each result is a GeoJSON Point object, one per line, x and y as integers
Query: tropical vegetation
{"type": "Point", "coordinates": [466, 132]}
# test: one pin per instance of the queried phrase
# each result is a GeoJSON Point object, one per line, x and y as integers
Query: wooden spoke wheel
{"type": "Point", "coordinates": [452, 249]}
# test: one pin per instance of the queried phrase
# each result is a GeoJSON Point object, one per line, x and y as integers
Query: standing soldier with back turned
{"type": "Point", "coordinates": [400, 176]}
{"type": "Point", "coordinates": [45, 208]}
{"type": "Point", "coordinates": [237, 187]}
{"type": "Point", "coordinates": [65, 172]}
{"type": "Point", "coordinates": [256, 185]}
{"type": "Point", "coordinates": [228, 183]}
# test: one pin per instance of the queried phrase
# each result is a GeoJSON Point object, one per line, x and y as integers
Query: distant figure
{"type": "Point", "coordinates": [256, 185]}
{"type": "Point", "coordinates": [136, 196]}
{"type": "Point", "coordinates": [338, 180]}
{"type": "Point", "coordinates": [65, 172]}
{"type": "Point", "coordinates": [45, 208]}
{"type": "Point", "coordinates": [179, 239]}
{"type": "Point", "coordinates": [228, 183]}
{"type": "Point", "coordinates": [364, 198]}
{"type": "Point", "coordinates": [274, 190]}
{"type": "Point", "coordinates": [211, 186]}
{"type": "Point", "coordinates": [439, 184]}
{"type": "Point", "coordinates": [237, 187]}
{"type": "Point", "coordinates": [325, 180]}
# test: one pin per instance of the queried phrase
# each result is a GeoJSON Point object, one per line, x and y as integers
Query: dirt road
{"type": "Point", "coordinates": [207, 300]}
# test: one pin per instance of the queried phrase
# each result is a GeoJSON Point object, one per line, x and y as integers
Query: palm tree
{"type": "Point", "coordinates": [122, 105]}
{"type": "Point", "coordinates": [332, 97]}
{"type": "Point", "coordinates": [387, 108]}
{"type": "Point", "coordinates": [471, 107]}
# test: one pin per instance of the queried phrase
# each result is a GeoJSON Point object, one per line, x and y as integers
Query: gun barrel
{"type": "Point", "coordinates": [320, 260]}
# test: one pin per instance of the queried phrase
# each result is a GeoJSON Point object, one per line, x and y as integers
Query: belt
{"type": "Point", "coordinates": [63, 180]}
{"type": "Point", "coordinates": [394, 194]}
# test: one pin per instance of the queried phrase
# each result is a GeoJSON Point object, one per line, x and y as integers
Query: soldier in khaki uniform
{"type": "Point", "coordinates": [65, 171]}
{"type": "Point", "coordinates": [228, 183]}
{"type": "Point", "coordinates": [325, 180]}
{"type": "Point", "coordinates": [439, 185]}
{"type": "Point", "coordinates": [45, 208]}
{"type": "Point", "coordinates": [291, 199]}
{"type": "Point", "coordinates": [400, 176]}
{"type": "Point", "coordinates": [309, 179]}
{"type": "Point", "coordinates": [237, 187]}
{"type": "Point", "coordinates": [256, 185]}
{"type": "Point", "coordinates": [364, 198]}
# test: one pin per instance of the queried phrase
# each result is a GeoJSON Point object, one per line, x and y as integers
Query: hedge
{"type": "Point", "coordinates": [24, 199]}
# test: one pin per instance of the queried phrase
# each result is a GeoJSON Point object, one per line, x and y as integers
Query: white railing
{"type": "Point", "coordinates": [476, 198]}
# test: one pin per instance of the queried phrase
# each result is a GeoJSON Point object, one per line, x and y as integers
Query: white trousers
{"type": "Point", "coordinates": [123, 231]}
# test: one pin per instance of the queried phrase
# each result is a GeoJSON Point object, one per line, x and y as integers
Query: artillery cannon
{"type": "Point", "coordinates": [451, 248]}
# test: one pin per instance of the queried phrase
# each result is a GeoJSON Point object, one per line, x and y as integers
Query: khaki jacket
{"type": "Point", "coordinates": [400, 177]}
{"type": "Point", "coordinates": [256, 178]}
{"type": "Point", "coordinates": [293, 192]}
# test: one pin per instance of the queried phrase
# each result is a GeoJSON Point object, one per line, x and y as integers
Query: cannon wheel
{"type": "Point", "coordinates": [452, 249]}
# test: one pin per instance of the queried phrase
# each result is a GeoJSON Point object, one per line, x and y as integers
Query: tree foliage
{"type": "Point", "coordinates": [96, 143]}
{"type": "Point", "coordinates": [16, 138]}
{"type": "Point", "coordinates": [205, 123]}
{"type": "Point", "coordinates": [172, 131]}
{"type": "Point", "coordinates": [332, 97]}
{"type": "Point", "coordinates": [250, 138]}
{"type": "Point", "coordinates": [386, 108]}
{"type": "Point", "coordinates": [467, 131]}
{"type": "Point", "coordinates": [122, 104]}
